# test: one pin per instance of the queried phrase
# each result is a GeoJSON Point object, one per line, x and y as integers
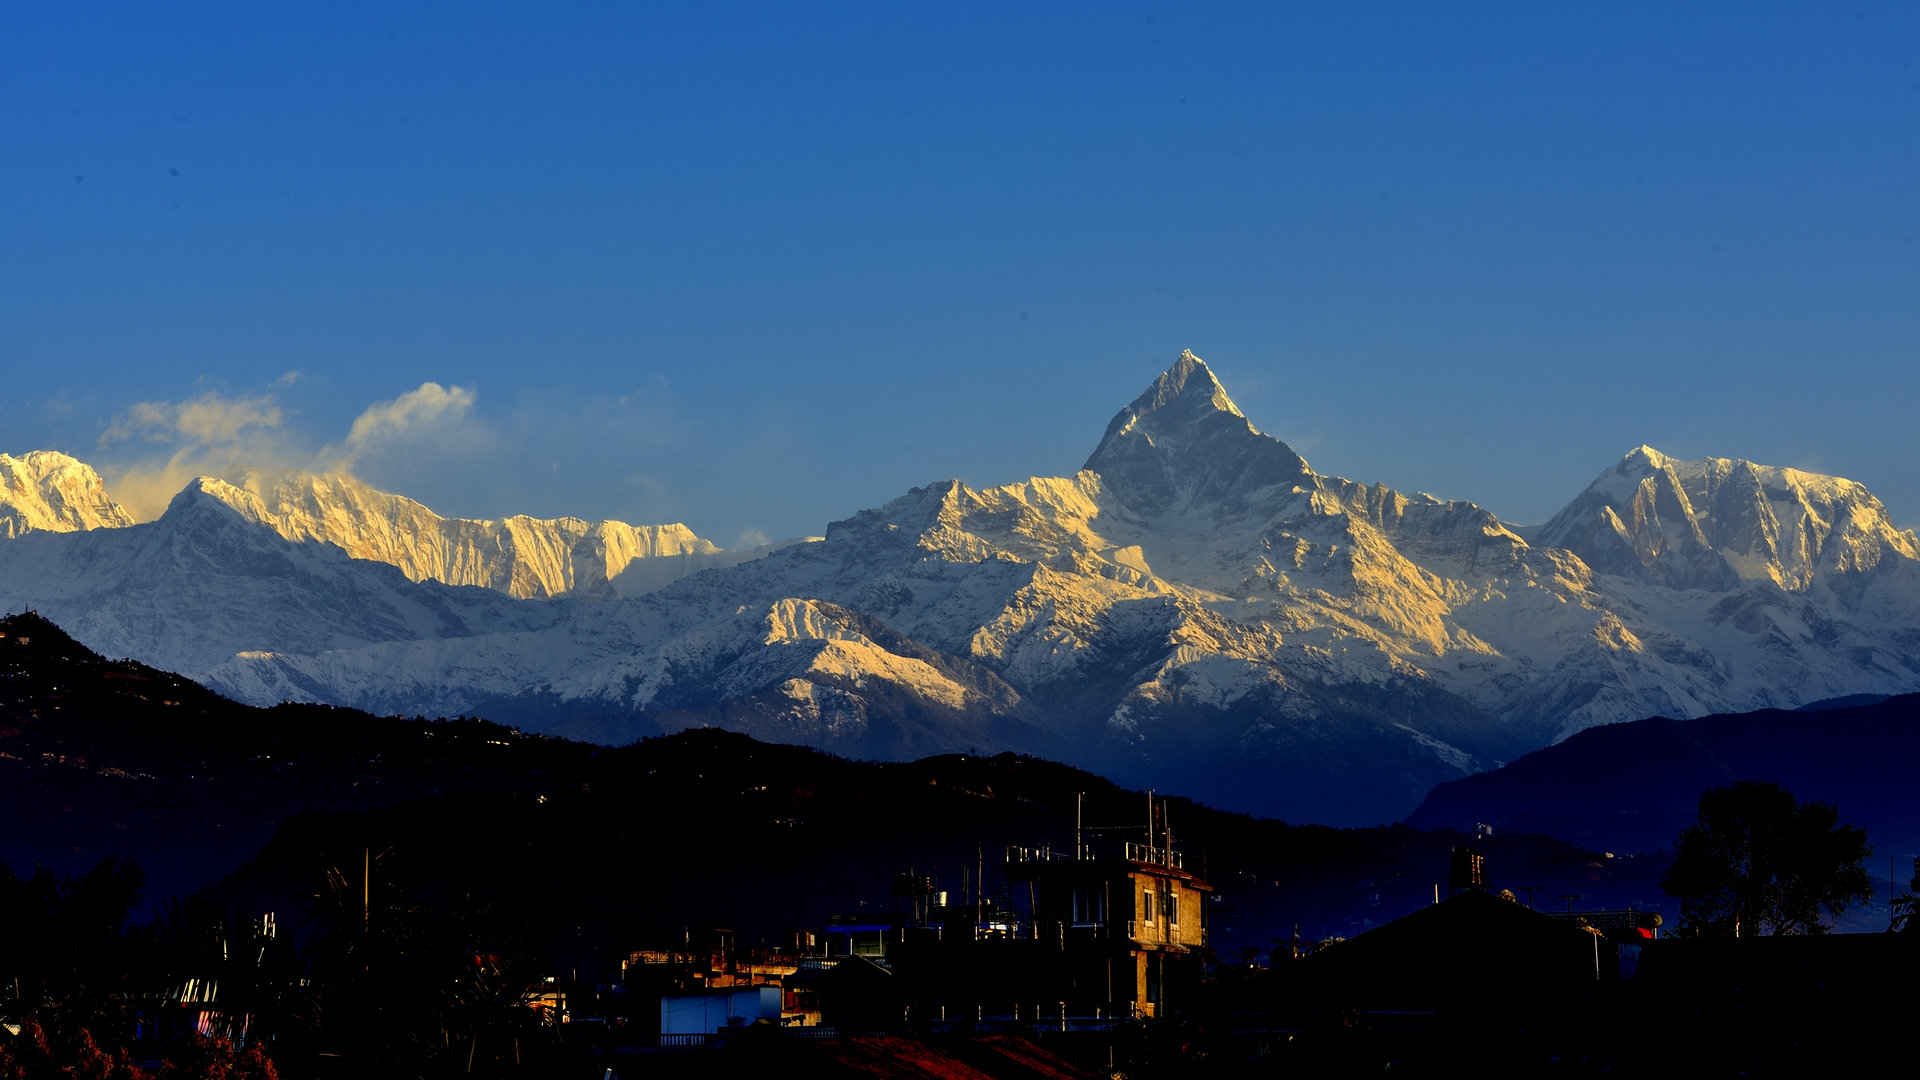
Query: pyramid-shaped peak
{"type": "Point", "coordinates": [1185, 440]}
{"type": "Point", "coordinates": [209, 491]}
{"type": "Point", "coordinates": [1185, 397]}
{"type": "Point", "coordinates": [1188, 384]}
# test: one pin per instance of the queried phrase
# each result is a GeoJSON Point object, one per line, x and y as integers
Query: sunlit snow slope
{"type": "Point", "coordinates": [520, 555]}
{"type": "Point", "coordinates": [45, 491]}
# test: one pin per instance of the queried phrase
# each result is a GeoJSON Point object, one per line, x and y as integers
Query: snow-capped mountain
{"type": "Point", "coordinates": [187, 591]}
{"type": "Point", "coordinates": [46, 491]}
{"type": "Point", "coordinates": [520, 555]}
{"type": "Point", "coordinates": [1717, 523]}
{"type": "Point", "coordinates": [1196, 608]}
{"type": "Point", "coordinates": [1196, 595]}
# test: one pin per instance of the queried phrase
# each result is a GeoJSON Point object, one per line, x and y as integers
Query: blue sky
{"type": "Point", "coordinates": [755, 267]}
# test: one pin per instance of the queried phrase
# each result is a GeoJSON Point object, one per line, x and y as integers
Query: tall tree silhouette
{"type": "Point", "coordinates": [1758, 861]}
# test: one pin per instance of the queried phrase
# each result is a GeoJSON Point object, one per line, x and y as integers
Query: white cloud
{"type": "Point", "coordinates": [552, 450]}
{"type": "Point", "coordinates": [428, 411]}
{"type": "Point", "coordinates": [752, 538]}
{"type": "Point", "coordinates": [210, 418]}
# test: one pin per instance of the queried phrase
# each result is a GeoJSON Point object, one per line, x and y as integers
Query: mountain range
{"type": "Point", "coordinates": [1196, 608]}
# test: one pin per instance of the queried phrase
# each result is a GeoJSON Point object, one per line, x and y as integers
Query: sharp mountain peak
{"type": "Point", "coordinates": [1184, 439]}
{"type": "Point", "coordinates": [1644, 455]}
{"type": "Point", "coordinates": [1186, 393]}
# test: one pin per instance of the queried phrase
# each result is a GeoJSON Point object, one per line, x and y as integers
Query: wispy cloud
{"type": "Point", "coordinates": [429, 413]}
{"type": "Point", "coordinates": [209, 419]}
{"type": "Point", "coordinates": [210, 434]}
{"type": "Point", "coordinates": [431, 442]}
{"type": "Point", "coordinates": [155, 448]}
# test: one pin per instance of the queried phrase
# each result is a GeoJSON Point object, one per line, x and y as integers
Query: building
{"type": "Point", "coordinates": [1085, 935]}
{"type": "Point", "coordinates": [1127, 930]}
{"type": "Point", "coordinates": [705, 1012]}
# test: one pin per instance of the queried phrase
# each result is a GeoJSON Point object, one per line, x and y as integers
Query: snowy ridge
{"type": "Point", "coordinates": [520, 556]}
{"type": "Point", "coordinates": [1718, 522]}
{"type": "Point", "coordinates": [46, 491]}
{"type": "Point", "coordinates": [200, 583]}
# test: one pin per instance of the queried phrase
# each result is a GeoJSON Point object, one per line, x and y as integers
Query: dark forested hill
{"type": "Point", "coordinates": [111, 757]}
{"type": "Point", "coordinates": [1633, 787]}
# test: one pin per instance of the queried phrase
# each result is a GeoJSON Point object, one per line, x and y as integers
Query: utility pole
{"type": "Point", "coordinates": [1149, 824]}
{"type": "Point", "coordinates": [979, 887]}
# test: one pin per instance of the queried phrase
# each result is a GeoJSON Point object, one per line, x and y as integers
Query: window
{"type": "Point", "coordinates": [1146, 905]}
{"type": "Point", "coordinates": [1173, 906]}
{"type": "Point", "coordinates": [1089, 905]}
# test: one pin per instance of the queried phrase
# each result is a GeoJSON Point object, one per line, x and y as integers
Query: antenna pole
{"type": "Point", "coordinates": [1150, 825]}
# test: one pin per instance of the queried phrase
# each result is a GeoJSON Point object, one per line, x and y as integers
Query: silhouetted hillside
{"type": "Point", "coordinates": [603, 846]}
{"type": "Point", "coordinates": [1633, 787]}
{"type": "Point", "coordinates": [111, 757]}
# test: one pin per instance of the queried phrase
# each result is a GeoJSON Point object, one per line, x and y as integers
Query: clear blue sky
{"type": "Point", "coordinates": [755, 267]}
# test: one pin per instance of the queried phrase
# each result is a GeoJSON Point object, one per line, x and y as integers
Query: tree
{"type": "Point", "coordinates": [1906, 907]}
{"type": "Point", "coordinates": [1760, 862]}
{"type": "Point", "coordinates": [67, 956]}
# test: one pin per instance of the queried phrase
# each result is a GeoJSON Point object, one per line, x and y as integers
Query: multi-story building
{"type": "Point", "coordinates": [1085, 933]}
{"type": "Point", "coordinates": [1127, 929]}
